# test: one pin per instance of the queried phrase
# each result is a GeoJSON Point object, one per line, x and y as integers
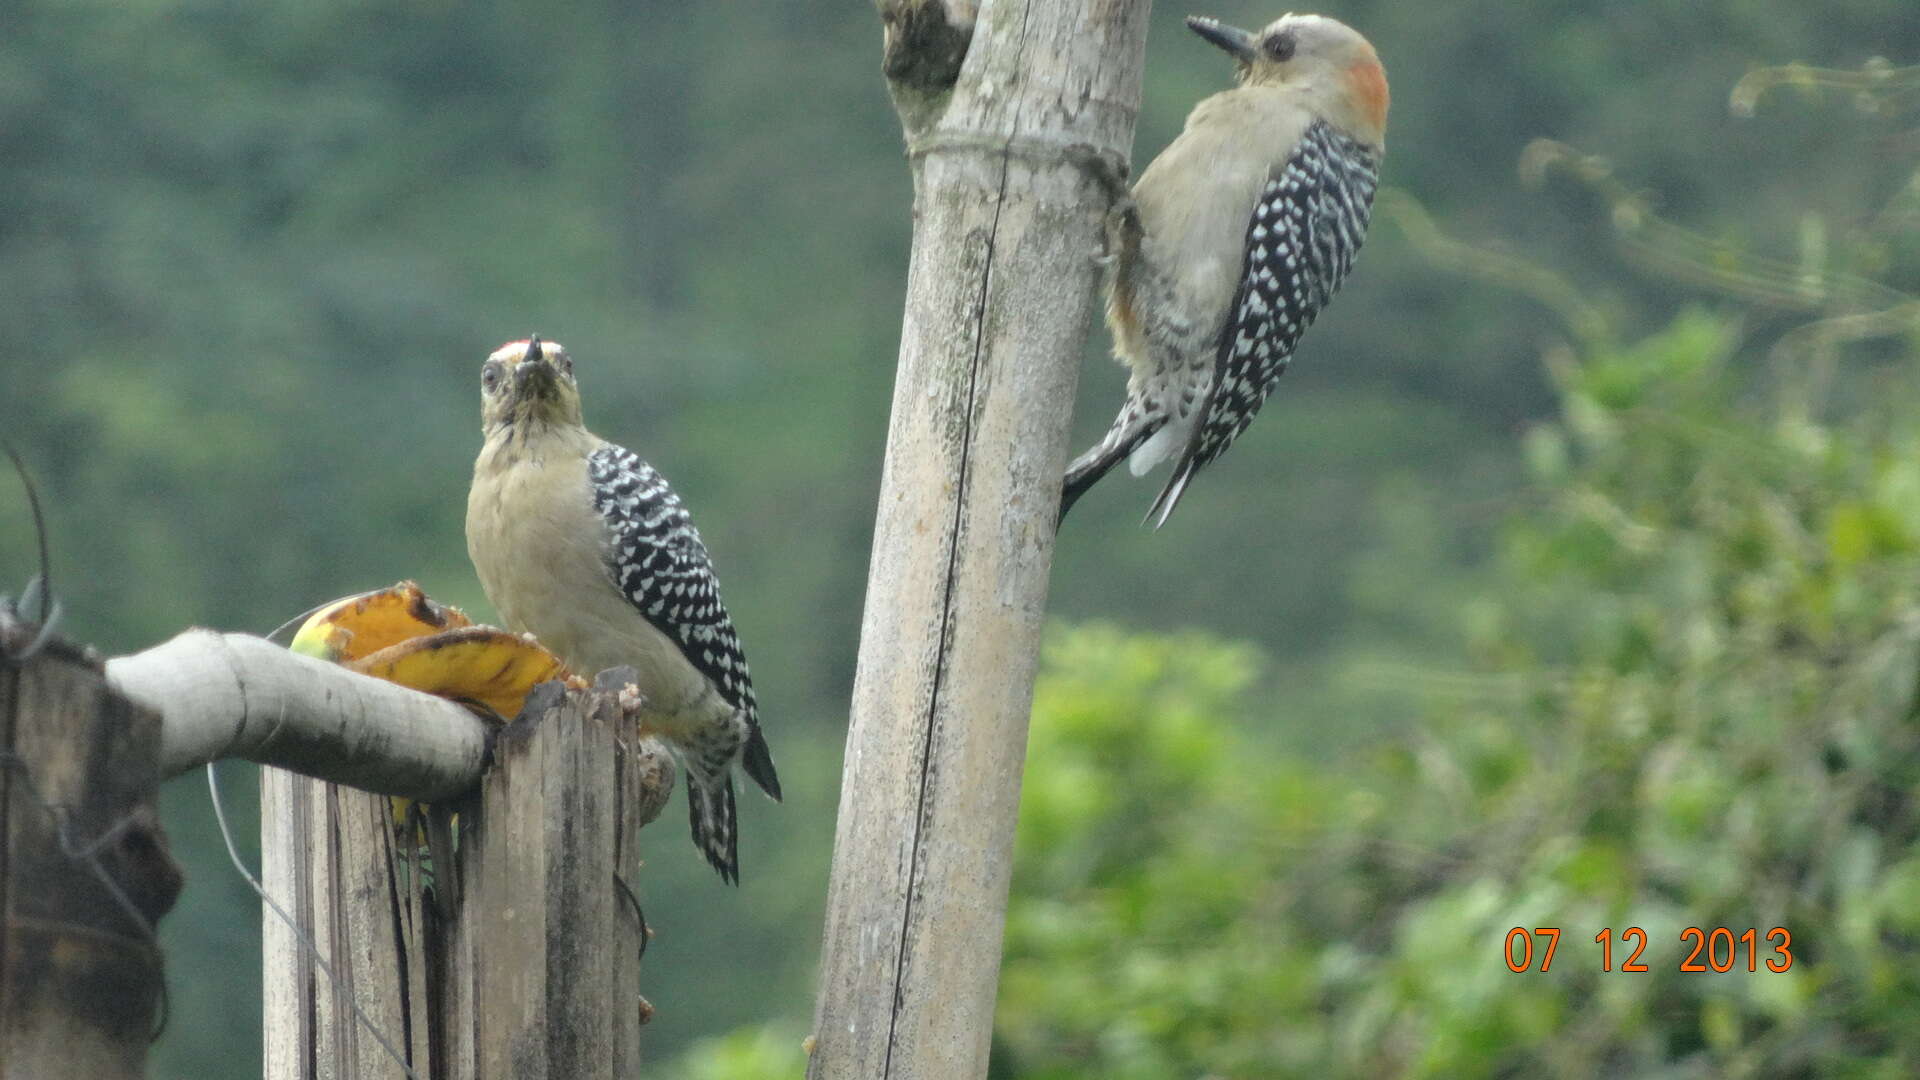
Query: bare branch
{"type": "Point", "coordinates": [232, 695]}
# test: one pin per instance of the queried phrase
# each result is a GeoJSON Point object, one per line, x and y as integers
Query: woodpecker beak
{"type": "Point", "coordinates": [533, 376]}
{"type": "Point", "coordinates": [1236, 42]}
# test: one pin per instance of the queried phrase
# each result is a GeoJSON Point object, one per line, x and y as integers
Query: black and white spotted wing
{"type": "Point", "coordinates": [660, 565]}
{"type": "Point", "coordinates": [1301, 240]}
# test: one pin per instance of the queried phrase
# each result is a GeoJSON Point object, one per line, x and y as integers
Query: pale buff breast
{"type": "Point", "coordinates": [1205, 237]}
{"type": "Point", "coordinates": [540, 550]}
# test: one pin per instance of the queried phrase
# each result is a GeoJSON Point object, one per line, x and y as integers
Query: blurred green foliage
{"type": "Point", "coordinates": [1693, 701]}
{"type": "Point", "coordinates": [1689, 697]}
{"type": "Point", "coordinates": [1686, 693]}
{"type": "Point", "coordinates": [252, 254]}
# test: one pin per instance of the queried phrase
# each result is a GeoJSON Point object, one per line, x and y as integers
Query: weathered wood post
{"type": "Point", "coordinates": [84, 869]}
{"type": "Point", "coordinates": [1018, 123]}
{"type": "Point", "coordinates": [523, 963]}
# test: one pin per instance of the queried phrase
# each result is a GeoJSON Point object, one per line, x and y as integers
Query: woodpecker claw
{"type": "Point", "coordinates": [1122, 222]}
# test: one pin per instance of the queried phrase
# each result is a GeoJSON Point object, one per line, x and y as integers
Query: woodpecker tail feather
{"type": "Point", "coordinates": [758, 761]}
{"type": "Point", "coordinates": [1169, 496]}
{"type": "Point", "coordinates": [1212, 434]}
{"type": "Point", "coordinates": [1129, 430]}
{"type": "Point", "coordinates": [711, 812]}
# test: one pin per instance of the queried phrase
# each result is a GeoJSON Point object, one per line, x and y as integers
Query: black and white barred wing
{"type": "Point", "coordinates": [1301, 240]}
{"type": "Point", "coordinates": [660, 565]}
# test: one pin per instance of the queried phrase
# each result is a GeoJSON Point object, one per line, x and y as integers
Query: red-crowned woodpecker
{"type": "Point", "coordinates": [584, 545]}
{"type": "Point", "coordinates": [1235, 238]}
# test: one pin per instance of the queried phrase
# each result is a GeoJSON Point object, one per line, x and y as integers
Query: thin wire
{"type": "Point", "coordinates": [306, 941]}
{"type": "Point", "coordinates": [40, 530]}
{"type": "Point", "coordinates": [41, 586]}
{"type": "Point", "coordinates": [303, 616]}
{"type": "Point", "coordinates": [51, 609]}
{"type": "Point", "coordinates": [87, 854]}
{"type": "Point", "coordinates": [83, 853]}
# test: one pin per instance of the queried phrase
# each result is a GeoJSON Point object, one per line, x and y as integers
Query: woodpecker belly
{"type": "Point", "coordinates": [565, 597]}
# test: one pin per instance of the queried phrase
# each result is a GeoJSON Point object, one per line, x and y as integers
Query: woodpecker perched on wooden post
{"type": "Point", "coordinates": [1236, 236]}
{"type": "Point", "coordinates": [584, 545]}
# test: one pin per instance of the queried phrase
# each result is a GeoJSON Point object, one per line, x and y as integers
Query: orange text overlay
{"type": "Point", "coordinates": [1718, 949]}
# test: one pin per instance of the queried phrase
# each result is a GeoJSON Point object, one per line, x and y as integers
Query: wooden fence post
{"type": "Point", "coordinates": [1018, 120]}
{"type": "Point", "coordinates": [84, 868]}
{"type": "Point", "coordinates": [522, 962]}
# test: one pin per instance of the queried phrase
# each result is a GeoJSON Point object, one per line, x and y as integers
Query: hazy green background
{"type": "Point", "coordinates": [1479, 646]}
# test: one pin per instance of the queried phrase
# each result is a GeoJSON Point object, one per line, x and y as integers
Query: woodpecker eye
{"type": "Point", "coordinates": [489, 377]}
{"type": "Point", "coordinates": [1280, 46]}
{"type": "Point", "coordinates": [565, 364]}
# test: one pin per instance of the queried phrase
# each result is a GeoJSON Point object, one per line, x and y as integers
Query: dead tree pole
{"type": "Point", "coordinates": [523, 960]}
{"type": "Point", "coordinates": [1018, 120]}
{"type": "Point", "coordinates": [84, 868]}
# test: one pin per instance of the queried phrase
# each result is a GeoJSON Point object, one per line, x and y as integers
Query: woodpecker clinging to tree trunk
{"type": "Point", "coordinates": [584, 545]}
{"type": "Point", "coordinates": [1235, 238]}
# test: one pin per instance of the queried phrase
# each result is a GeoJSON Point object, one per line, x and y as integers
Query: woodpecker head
{"type": "Point", "coordinates": [1322, 57]}
{"type": "Point", "coordinates": [525, 382]}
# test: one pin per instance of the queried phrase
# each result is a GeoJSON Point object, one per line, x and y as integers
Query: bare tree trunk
{"type": "Point", "coordinates": [1018, 122]}
{"type": "Point", "coordinates": [84, 868]}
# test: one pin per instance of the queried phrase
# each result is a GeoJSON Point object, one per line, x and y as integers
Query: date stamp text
{"type": "Point", "coordinates": [1717, 949]}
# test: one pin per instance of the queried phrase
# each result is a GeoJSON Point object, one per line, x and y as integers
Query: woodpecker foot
{"type": "Point", "coordinates": [1120, 231]}
{"type": "Point", "coordinates": [1108, 169]}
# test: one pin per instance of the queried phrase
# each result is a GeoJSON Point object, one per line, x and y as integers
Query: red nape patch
{"type": "Point", "coordinates": [1368, 81]}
